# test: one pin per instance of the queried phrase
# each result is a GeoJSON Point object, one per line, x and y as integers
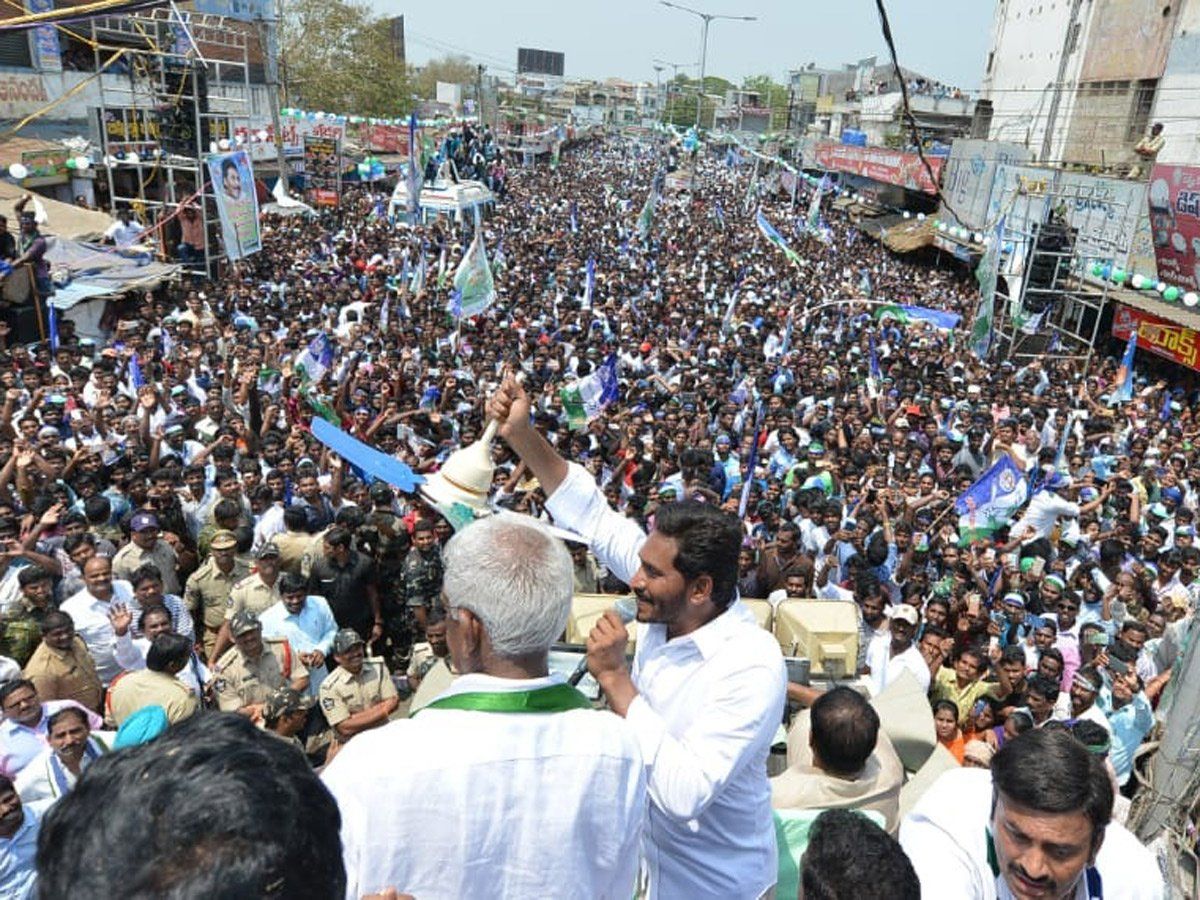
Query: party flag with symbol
{"type": "Point", "coordinates": [414, 171]}
{"type": "Point", "coordinates": [418, 279]}
{"type": "Point", "coordinates": [744, 501]}
{"type": "Point", "coordinates": [905, 314]}
{"type": "Point", "coordinates": [473, 279]}
{"type": "Point", "coordinates": [986, 274]}
{"type": "Point", "coordinates": [1124, 390]}
{"type": "Point", "coordinates": [787, 336]}
{"type": "Point", "coordinates": [875, 371]}
{"type": "Point", "coordinates": [730, 306]}
{"type": "Point", "coordinates": [455, 305]}
{"type": "Point", "coordinates": [315, 360]}
{"type": "Point", "coordinates": [990, 503]}
{"type": "Point", "coordinates": [776, 238]}
{"type": "Point", "coordinates": [588, 397]}
{"type": "Point", "coordinates": [813, 219]}
{"type": "Point", "coordinates": [136, 379]}
{"type": "Point", "coordinates": [589, 283]}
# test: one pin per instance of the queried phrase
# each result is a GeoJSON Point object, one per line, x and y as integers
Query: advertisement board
{"type": "Point", "coordinates": [1175, 224]}
{"type": "Point", "coordinates": [323, 170]}
{"type": "Point", "coordinates": [968, 174]}
{"type": "Point", "coordinates": [1166, 339]}
{"type": "Point", "coordinates": [237, 203]}
{"type": "Point", "coordinates": [879, 163]}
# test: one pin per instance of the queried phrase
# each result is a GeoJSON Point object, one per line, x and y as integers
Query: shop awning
{"type": "Point", "coordinates": [62, 219]}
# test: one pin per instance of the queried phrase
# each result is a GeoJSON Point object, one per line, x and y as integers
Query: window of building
{"type": "Point", "coordinates": [14, 49]}
{"type": "Point", "coordinates": [1143, 104]}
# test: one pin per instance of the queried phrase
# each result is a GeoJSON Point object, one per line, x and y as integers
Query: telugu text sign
{"type": "Point", "coordinates": [1175, 224]}
{"type": "Point", "coordinates": [1166, 339]}
{"type": "Point", "coordinates": [889, 166]}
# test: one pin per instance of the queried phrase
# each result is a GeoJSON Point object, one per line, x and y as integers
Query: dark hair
{"type": "Point", "coordinates": [1051, 772]}
{"type": "Point", "coordinates": [154, 609]}
{"type": "Point", "coordinates": [56, 618]}
{"type": "Point", "coordinates": [295, 518]}
{"type": "Point", "coordinates": [708, 541]}
{"type": "Point", "coordinates": [1135, 625]}
{"type": "Point", "coordinates": [845, 728]}
{"type": "Point", "coordinates": [226, 509]}
{"type": "Point", "coordinates": [939, 705]}
{"type": "Point", "coordinates": [146, 572]}
{"type": "Point", "coordinates": [67, 712]}
{"type": "Point", "coordinates": [10, 687]}
{"type": "Point", "coordinates": [337, 536]}
{"type": "Point", "coordinates": [6, 784]}
{"type": "Point", "coordinates": [1040, 684]}
{"type": "Point", "coordinates": [849, 857]}
{"type": "Point", "coordinates": [166, 650]}
{"type": "Point", "coordinates": [236, 813]}
{"type": "Point", "coordinates": [97, 508]}
{"type": "Point", "coordinates": [290, 582]}
{"type": "Point", "coordinates": [27, 575]}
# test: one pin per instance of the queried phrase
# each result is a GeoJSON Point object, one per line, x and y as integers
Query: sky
{"type": "Point", "coordinates": [621, 38]}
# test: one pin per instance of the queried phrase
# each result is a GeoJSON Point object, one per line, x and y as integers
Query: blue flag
{"type": "Point", "coordinates": [135, 373]}
{"type": "Point", "coordinates": [745, 498]}
{"type": "Point", "coordinates": [456, 303]}
{"type": "Point", "coordinates": [371, 461]}
{"type": "Point", "coordinates": [1163, 414]}
{"type": "Point", "coordinates": [52, 314]}
{"type": "Point", "coordinates": [875, 371]}
{"type": "Point", "coordinates": [787, 337]}
{"type": "Point", "coordinates": [414, 171]}
{"type": "Point", "coordinates": [590, 283]}
{"type": "Point", "coordinates": [1124, 389]}
{"type": "Point", "coordinates": [574, 217]}
{"type": "Point", "coordinates": [990, 503]}
{"type": "Point", "coordinates": [719, 212]}
{"type": "Point", "coordinates": [776, 238]}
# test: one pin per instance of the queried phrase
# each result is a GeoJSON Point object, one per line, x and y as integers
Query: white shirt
{"type": "Point", "coordinates": [1043, 513]}
{"type": "Point", "coordinates": [708, 707]}
{"type": "Point", "coordinates": [124, 234]}
{"type": "Point", "coordinates": [313, 628]}
{"type": "Point", "coordinates": [18, 875]}
{"type": "Point", "coordinates": [90, 616]}
{"type": "Point", "coordinates": [945, 837]}
{"type": "Point", "coordinates": [460, 803]}
{"type": "Point", "coordinates": [886, 668]}
{"type": "Point", "coordinates": [270, 523]}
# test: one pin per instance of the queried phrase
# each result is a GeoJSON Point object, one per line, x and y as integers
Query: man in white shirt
{"type": "Point", "coordinates": [306, 621]}
{"type": "Point", "coordinates": [1038, 824]}
{"type": "Point", "coordinates": [707, 689]}
{"type": "Point", "coordinates": [508, 784]}
{"type": "Point", "coordinates": [89, 610]}
{"type": "Point", "coordinates": [890, 654]}
{"type": "Point", "coordinates": [19, 827]}
{"type": "Point", "coordinates": [125, 232]}
{"type": "Point", "coordinates": [1047, 506]}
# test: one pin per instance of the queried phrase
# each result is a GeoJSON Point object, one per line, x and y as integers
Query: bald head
{"type": "Point", "coordinates": [97, 575]}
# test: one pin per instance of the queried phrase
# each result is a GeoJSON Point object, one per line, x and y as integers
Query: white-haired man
{"type": "Point", "coordinates": [508, 784]}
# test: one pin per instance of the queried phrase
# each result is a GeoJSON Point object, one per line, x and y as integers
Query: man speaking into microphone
{"type": "Point", "coordinates": [707, 689]}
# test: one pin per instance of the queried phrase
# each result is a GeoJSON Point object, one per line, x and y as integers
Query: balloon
{"type": "Point", "coordinates": [1106, 271]}
{"type": "Point", "coordinates": [1119, 276]}
{"type": "Point", "coordinates": [1171, 294]}
{"type": "Point", "coordinates": [223, 144]}
{"type": "Point", "coordinates": [942, 226]}
{"type": "Point", "coordinates": [18, 171]}
{"type": "Point", "coordinates": [1138, 282]}
{"type": "Point", "coordinates": [1161, 286]}
{"type": "Point", "coordinates": [71, 163]}
{"type": "Point", "coordinates": [1097, 269]}
{"type": "Point", "coordinates": [920, 217]}
{"type": "Point", "coordinates": [977, 237]}
{"type": "Point", "coordinates": [82, 163]}
{"type": "Point", "coordinates": [907, 214]}
{"type": "Point", "coordinates": [1191, 298]}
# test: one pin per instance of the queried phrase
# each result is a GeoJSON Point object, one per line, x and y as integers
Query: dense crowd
{"type": "Point", "coordinates": [175, 539]}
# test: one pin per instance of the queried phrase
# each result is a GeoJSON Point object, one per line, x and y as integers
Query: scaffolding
{"type": "Point", "coordinates": [181, 93]}
{"type": "Point", "coordinates": [1046, 306]}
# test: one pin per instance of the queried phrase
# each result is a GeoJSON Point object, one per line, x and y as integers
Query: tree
{"type": "Point", "coordinates": [453, 69]}
{"type": "Point", "coordinates": [337, 56]}
{"type": "Point", "coordinates": [775, 97]}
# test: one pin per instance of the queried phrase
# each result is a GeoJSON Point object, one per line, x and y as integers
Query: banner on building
{"type": "Point", "coordinates": [1174, 342]}
{"type": "Point", "coordinates": [237, 203]}
{"type": "Point", "coordinates": [1175, 224]}
{"type": "Point", "coordinates": [967, 178]}
{"type": "Point", "coordinates": [878, 163]}
{"type": "Point", "coordinates": [323, 169]}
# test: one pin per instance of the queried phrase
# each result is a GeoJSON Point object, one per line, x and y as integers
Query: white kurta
{"type": "Point", "coordinates": [945, 837]}
{"type": "Point", "coordinates": [460, 803]}
{"type": "Point", "coordinates": [708, 708]}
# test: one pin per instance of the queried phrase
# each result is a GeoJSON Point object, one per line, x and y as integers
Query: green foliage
{"type": "Point", "coordinates": [336, 56]}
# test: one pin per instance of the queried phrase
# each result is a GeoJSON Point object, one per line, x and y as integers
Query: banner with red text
{"type": "Point", "coordinates": [1174, 342]}
{"type": "Point", "coordinates": [879, 163]}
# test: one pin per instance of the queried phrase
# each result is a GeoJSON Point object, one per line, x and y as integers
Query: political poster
{"type": "Point", "coordinates": [237, 203]}
{"type": "Point", "coordinates": [1175, 224]}
{"type": "Point", "coordinates": [323, 170]}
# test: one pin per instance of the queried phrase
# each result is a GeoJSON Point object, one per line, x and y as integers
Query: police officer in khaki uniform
{"type": "Point", "coordinates": [208, 588]}
{"type": "Point", "coordinates": [285, 713]}
{"type": "Point", "coordinates": [255, 593]}
{"type": "Point", "coordinates": [247, 674]}
{"type": "Point", "coordinates": [157, 684]}
{"type": "Point", "coordinates": [145, 546]}
{"type": "Point", "coordinates": [358, 695]}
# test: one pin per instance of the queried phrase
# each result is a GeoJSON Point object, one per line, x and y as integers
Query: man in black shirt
{"type": "Point", "coordinates": [349, 580]}
{"type": "Point", "coordinates": [8, 243]}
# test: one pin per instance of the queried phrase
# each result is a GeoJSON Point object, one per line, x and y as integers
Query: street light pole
{"type": "Point", "coordinates": [675, 67]}
{"type": "Point", "coordinates": [658, 70]}
{"type": "Point", "coordinates": [706, 18]}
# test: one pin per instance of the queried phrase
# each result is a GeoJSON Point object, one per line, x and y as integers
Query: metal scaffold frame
{"type": "Point", "coordinates": [170, 83]}
{"type": "Point", "coordinates": [1075, 305]}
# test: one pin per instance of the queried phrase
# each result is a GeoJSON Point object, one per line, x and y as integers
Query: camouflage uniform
{"type": "Point", "coordinates": [422, 578]}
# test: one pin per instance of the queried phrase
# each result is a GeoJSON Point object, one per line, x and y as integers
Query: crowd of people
{"type": "Point", "coordinates": [177, 544]}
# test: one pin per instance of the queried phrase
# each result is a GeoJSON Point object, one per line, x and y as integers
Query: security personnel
{"type": "Point", "coordinates": [246, 674]}
{"type": "Point", "coordinates": [359, 694]}
{"type": "Point", "coordinates": [255, 593]}
{"type": "Point", "coordinates": [155, 685]}
{"type": "Point", "coordinates": [208, 588]}
{"type": "Point", "coordinates": [423, 571]}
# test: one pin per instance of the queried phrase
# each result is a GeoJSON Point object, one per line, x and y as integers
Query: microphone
{"type": "Point", "coordinates": [626, 609]}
